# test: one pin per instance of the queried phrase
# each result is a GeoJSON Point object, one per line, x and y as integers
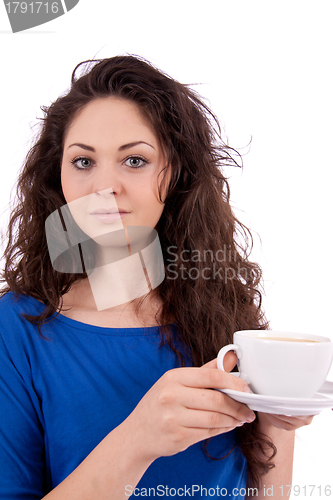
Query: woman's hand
{"type": "Point", "coordinates": [284, 422]}
{"type": "Point", "coordinates": [181, 409]}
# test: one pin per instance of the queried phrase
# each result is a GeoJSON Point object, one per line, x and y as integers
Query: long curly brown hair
{"type": "Point", "coordinates": [211, 289]}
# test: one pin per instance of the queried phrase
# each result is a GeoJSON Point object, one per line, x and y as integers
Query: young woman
{"type": "Point", "coordinates": [101, 402]}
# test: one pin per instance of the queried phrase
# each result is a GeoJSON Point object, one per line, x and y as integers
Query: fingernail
{"type": "Point", "coordinates": [251, 417]}
{"type": "Point", "coordinates": [247, 389]}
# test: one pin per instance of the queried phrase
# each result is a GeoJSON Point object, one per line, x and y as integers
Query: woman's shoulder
{"type": "Point", "coordinates": [13, 304]}
{"type": "Point", "coordinates": [13, 309]}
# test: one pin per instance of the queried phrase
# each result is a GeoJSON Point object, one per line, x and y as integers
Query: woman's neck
{"type": "Point", "coordinates": [79, 304]}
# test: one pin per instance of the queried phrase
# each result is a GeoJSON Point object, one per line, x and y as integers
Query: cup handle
{"type": "Point", "coordinates": [223, 352]}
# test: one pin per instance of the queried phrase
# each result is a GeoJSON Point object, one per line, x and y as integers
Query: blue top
{"type": "Point", "coordinates": [59, 397]}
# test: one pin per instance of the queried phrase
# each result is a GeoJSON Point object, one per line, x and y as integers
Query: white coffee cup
{"type": "Point", "coordinates": [281, 364]}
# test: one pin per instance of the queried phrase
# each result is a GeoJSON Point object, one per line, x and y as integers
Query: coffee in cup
{"type": "Point", "coordinates": [281, 364]}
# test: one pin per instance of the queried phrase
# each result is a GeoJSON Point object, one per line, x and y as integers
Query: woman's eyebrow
{"type": "Point", "coordinates": [132, 144]}
{"type": "Point", "coordinates": [121, 148]}
{"type": "Point", "coordinates": [83, 146]}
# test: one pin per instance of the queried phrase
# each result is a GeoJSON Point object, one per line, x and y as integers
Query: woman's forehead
{"type": "Point", "coordinates": [114, 115]}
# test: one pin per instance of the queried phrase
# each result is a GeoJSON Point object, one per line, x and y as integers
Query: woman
{"type": "Point", "coordinates": [105, 400]}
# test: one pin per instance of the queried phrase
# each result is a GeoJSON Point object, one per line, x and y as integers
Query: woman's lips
{"type": "Point", "coordinates": [108, 218]}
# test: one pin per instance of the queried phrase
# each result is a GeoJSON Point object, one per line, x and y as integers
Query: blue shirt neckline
{"type": "Point", "coordinates": [102, 330]}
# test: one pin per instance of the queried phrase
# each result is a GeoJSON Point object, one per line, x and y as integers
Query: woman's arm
{"type": "Point", "coordinates": [114, 464]}
{"type": "Point", "coordinates": [175, 413]}
{"type": "Point", "coordinates": [281, 430]}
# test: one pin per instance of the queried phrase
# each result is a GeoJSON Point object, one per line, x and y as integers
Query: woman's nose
{"type": "Point", "coordinates": [108, 183]}
{"type": "Point", "coordinates": [106, 193]}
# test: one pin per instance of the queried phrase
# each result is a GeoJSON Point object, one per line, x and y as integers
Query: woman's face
{"type": "Point", "coordinates": [110, 168]}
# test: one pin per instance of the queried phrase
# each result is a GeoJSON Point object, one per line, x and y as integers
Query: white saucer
{"type": "Point", "coordinates": [322, 400]}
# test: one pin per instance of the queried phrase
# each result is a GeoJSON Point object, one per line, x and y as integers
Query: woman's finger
{"type": "Point", "coordinates": [210, 364]}
{"type": "Point", "coordinates": [208, 420]}
{"type": "Point", "coordinates": [229, 362]}
{"type": "Point", "coordinates": [214, 401]}
{"type": "Point", "coordinates": [288, 423]}
{"type": "Point", "coordinates": [206, 378]}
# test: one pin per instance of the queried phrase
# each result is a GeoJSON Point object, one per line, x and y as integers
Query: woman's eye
{"type": "Point", "coordinates": [135, 162]}
{"type": "Point", "coordinates": [82, 163]}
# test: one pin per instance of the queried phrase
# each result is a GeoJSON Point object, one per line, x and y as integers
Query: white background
{"type": "Point", "coordinates": [266, 69]}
